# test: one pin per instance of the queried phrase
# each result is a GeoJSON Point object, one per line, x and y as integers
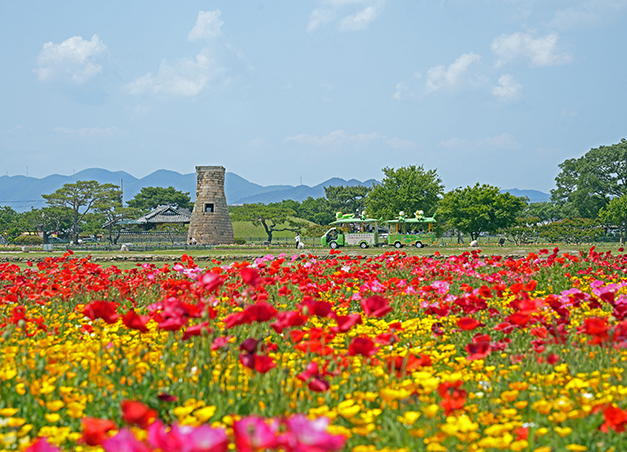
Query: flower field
{"type": "Point", "coordinates": [298, 353]}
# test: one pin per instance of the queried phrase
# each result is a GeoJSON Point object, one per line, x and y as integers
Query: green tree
{"type": "Point", "coordinates": [273, 217]}
{"type": "Point", "coordinates": [524, 230]}
{"type": "Point", "coordinates": [10, 224]}
{"type": "Point", "coordinates": [571, 230]}
{"type": "Point", "coordinates": [589, 183]}
{"type": "Point", "coordinates": [548, 211]}
{"type": "Point", "coordinates": [615, 214]}
{"type": "Point", "coordinates": [481, 208]}
{"type": "Point", "coordinates": [405, 189]}
{"type": "Point", "coordinates": [113, 214]}
{"type": "Point", "coordinates": [81, 198]}
{"type": "Point", "coordinates": [152, 197]}
{"type": "Point", "coordinates": [45, 221]}
{"type": "Point", "coordinates": [316, 210]}
{"type": "Point", "coordinates": [347, 198]}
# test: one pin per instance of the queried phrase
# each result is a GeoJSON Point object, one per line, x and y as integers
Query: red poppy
{"type": "Point", "coordinates": [251, 277]}
{"type": "Point", "coordinates": [468, 323]}
{"type": "Point", "coordinates": [346, 322]}
{"type": "Point", "coordinates": [259, 363]}
{"type": "Point", "coordinates": [615, 419]}
{"type": "Point", "coordinates": [478, 350]}
{"type": "Point", "coordinates": [95, 430]}
{"type": "Point", "coordinates": [197, 330]}
{"type": "Point", "coordinates": [362, 346]}
{"type": "Point", "coordinates": [376, 306]}
{"type": "Point", "coordinates": [100, 309]}
{"type": "Point", "coordinates": [136, 322]}
{"type": "Point", "coordinates": [136, 413]}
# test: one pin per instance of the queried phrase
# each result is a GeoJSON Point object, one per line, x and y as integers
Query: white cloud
{"type": "Point", "coordinates": [75, 60]}
{"type": "Point", "coordinates": [90, 131]}
{"type": "Point", "coordinates": [509, 89]}
{"type": "Point", "coordinates": [437, 78]}
{"type": "Point", "coordinates": [185, 78]}
{"type": "Point", "coordinates": [208, 25]}
{"type": "Point", "coordinates": [538, 52]}
{"type": "Point", "coordinates": [586, 12]}
{"type": "Point", "coordinates": [504, 142]}
{"type": "Point", "coordinates": [339, 137]}
{"type": "Point", "coordinates": [188, 77]}
{"type": "Point", "coordinates": [350, 15]}
{"type": "Point", "coordinates": [440, 77]}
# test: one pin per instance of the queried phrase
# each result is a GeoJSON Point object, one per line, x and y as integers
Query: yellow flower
{"type": "Point", "coordinates": [52, 417]}
{"type": "Point", "coordinates": [509, 396]}
{"type": "Point", "coordinates": [409, 417]}
{"type": "Point", "coordinates": [431, 410]}
{"type": "Point", "coordinates": [563, 431]}
{"type": "Point", "coordinates": [542, 449]}
{"type": "Point", "coordinates": [205, 413]}
{"type": "Point", "coordinates": [576, 447]}
{"type": "Point", "coordinates": [519, 445]}
{"type": "Point", "coordinates": [55, 405]}
{"type": "Point", "coordinates": [8, 412]}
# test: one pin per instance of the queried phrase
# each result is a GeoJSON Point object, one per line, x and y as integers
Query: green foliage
{"type": "Point", "coordinates": [150, 198]}
{"type": "Point", "coordinates": [46, 221]}
{"type": "Point", "coordinates": [317, 210]}
{"type": "Point", "coordinates": [548, 211]}
{"type": "Point", "coordinates": [346, 199]}
{"type": "Point", "coordinates": [406, 189]}
{"type": "Point", "coordinates": [615, 214]}
{"type": "Point", "coordinates": [591, 181]}
{"type": "Point", "coordinates": [28, 240]}
{"type": "Point", "coordinates": [78, 199]}
{"type": "Point", "coordinates": [270, 216]}
{"type": "Point", "coordinates": [572, 230]}
{"type": "Point", "coordinates": [315, 230]}
{"type": "Point", "coordinates": [239, 241]}
{"type": "Point", "coordinates": [523, 231]}
{"type": "Point", "coordinates": [481, 208]}
{"type": "Point", "coordinates": [10, 224]}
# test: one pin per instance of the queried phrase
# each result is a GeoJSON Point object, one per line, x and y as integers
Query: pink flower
{"type": "Point", "coordinates": [310, 436]}
{"type": "Point", "coordinates": [42, 445]}
{"type": "Point", "coordinates": [252, 433]}
{"type": "Point", "coordinates": [187, 439]}
{"type": "Point", "coordinates": [124, 441]}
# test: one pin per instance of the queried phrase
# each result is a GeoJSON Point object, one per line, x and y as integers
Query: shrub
{"type": "Point", "coordinates": [239, 241]}
{"type": "Point", "coordinates": [29, 240]}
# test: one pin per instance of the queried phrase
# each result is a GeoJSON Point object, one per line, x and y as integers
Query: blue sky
{"type": "Point", "coordinates": [491, 91]}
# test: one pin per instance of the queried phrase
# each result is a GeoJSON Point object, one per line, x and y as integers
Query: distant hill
{"type": "Point", "coordinates": [533, 195]}
{"type": "Point", "coordinates": [22, 192]}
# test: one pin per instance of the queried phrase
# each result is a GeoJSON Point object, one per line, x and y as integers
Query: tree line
{"type": "Point", "coordinates": [590, 197]}
{"type": "Point", "coordinates": [85, 208]}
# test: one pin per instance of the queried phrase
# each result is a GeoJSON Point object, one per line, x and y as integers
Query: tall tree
{"type": "Point", "coordinates": [81, 198]}
{"type": "Point", "coordinates": [347, 198]}
{"type": "Point", "coordinates": [273, 217]}
{"type": "Point", "coordinates": [591, 181]}
{"type": "Point", "coordinates": [481, 208]}
{"type": "Point", "coordinates": [46, 221]}
{"type": "Point", "coordinates": [317, 210]}
{"type": "Point", "coordinates": [10, 225]}
{"type": "Point", "coordinates": [407, 189]}
{"type": "Point", "coordinates": [149, 198]}
{"type": "Point", "coordinates": [615, 214]}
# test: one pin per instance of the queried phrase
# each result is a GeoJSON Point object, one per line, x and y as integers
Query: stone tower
{"type": "Point", "coordinates": [210, 223]}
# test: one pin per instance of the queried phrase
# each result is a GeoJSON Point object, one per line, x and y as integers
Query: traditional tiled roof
{"type": "Point", "coordinates": [166, 214]}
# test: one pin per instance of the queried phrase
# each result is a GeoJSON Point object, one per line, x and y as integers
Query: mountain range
{"type": "Point", "coordinates": [23, 192]}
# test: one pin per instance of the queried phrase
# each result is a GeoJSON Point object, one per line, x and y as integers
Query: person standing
{"type": "Point", "coordinates": [297, 238]}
